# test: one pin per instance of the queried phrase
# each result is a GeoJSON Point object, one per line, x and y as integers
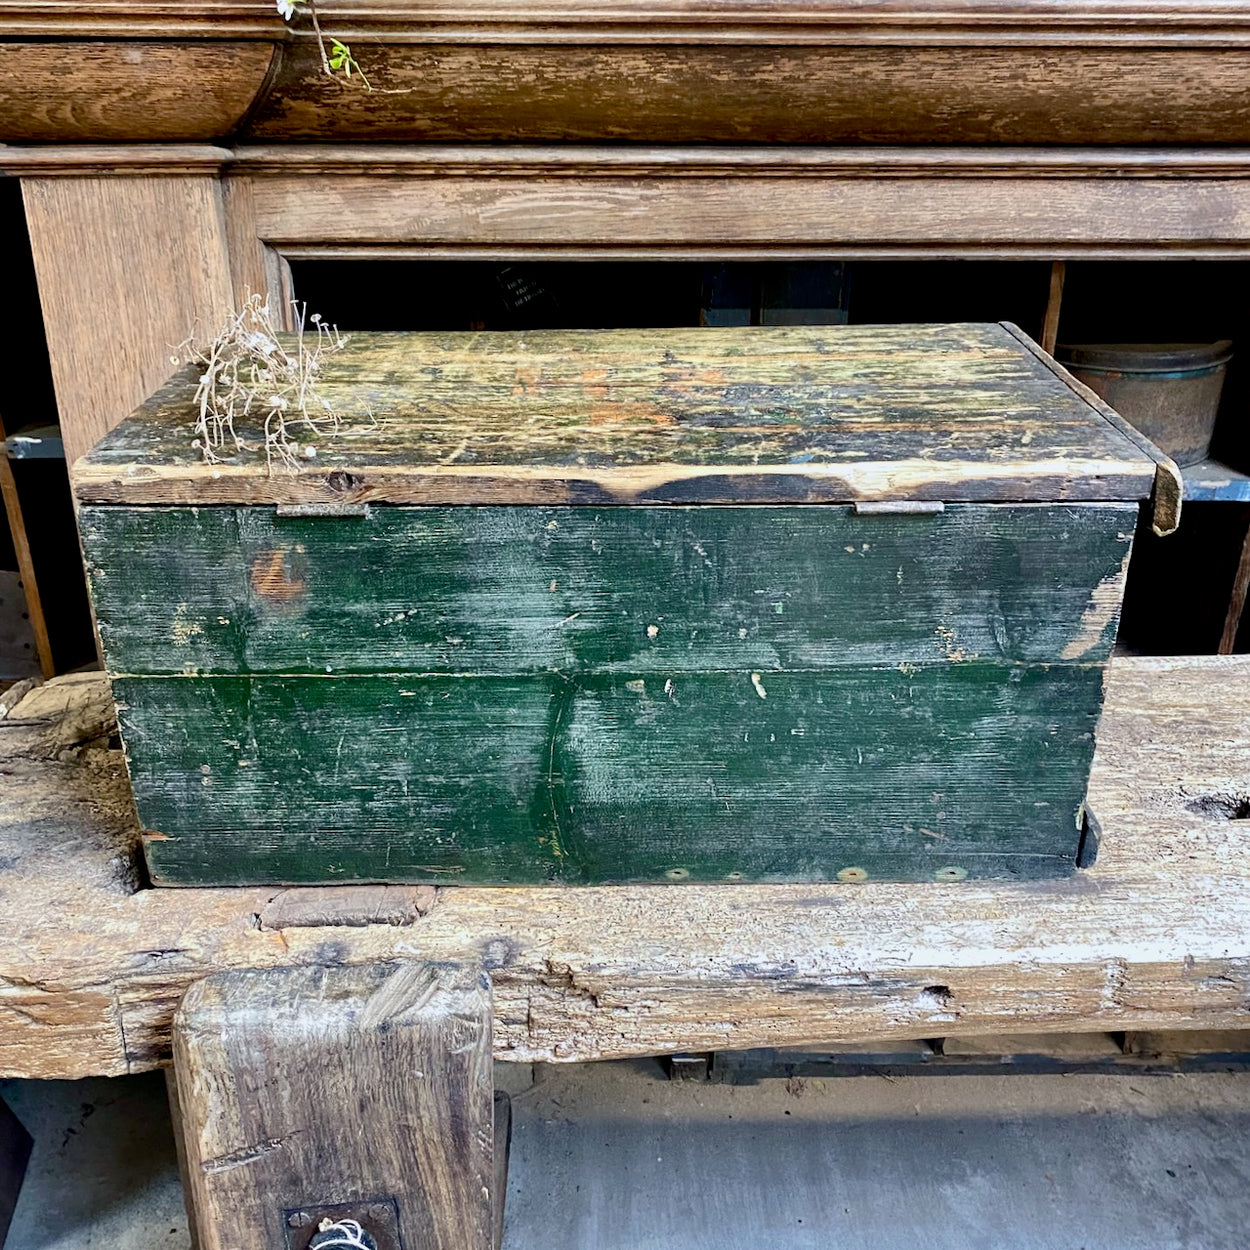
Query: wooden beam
{"type": "Point", "coordinates": [642, 160]}
{"type": "Point", "coordinates": [1054, 307]}
{"type": "Point", "coordinates": [108, 90]}
{"type": "Point", "coordinates": [25, 562]}
{"type": "Point", "coordinates": [691, 202]}
{"type": "Point", "coordinates": [769, 84]}
{"type": "Point", "coordinates": [128, 267]}
{"type": "Point", "coordinates": [116, 160]}
{"type": "Point", "coordinates": [1237, 601]}
{"type": "Point", "coordinates": [829, 160]}
{"type": "Point", "coordinates": [702, 214]}
{"type": "Point", "coordinates": [1155, 937]}
{"type": "Point", "coordinates": [883, 21]}
{"type": "Point", "coordinates": [316, 1094]}
{"type": "Point", "coordinates": [920, 71]}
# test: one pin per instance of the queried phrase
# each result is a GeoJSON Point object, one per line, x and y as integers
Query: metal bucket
{"type": "Point", "coordinates": [1169, 391]}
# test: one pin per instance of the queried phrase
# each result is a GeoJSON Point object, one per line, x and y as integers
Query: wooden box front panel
{"type": "Point", "coordinates": [525, 694]}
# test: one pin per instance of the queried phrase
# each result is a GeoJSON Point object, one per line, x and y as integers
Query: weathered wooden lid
{"type": "Point", "coordinates": [793, 414]}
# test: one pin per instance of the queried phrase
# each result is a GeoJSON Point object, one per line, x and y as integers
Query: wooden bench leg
{"type": "Point", "coordinates": [315, 1096]}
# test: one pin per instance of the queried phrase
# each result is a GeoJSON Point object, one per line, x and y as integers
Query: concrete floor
{"type": "Point", "coordinates": [613, 1157]}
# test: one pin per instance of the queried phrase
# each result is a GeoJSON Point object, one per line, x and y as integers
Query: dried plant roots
{"type": "Point", "coordinates": [249, 379]}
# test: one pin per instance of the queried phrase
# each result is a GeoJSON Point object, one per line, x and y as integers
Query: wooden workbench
{"type": "Point", "coordinates": [1155, 936]}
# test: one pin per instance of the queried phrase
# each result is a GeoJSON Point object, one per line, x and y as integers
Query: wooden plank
{"type": "Point", "coordinates": [881, 21]}
{"type": "Point", "coordinates": [1054, 306]}
{"type": "Point", "coordinates": [394, 778]}
{"type": "Point", "coordinates": [337, 1093]}
{"type": "Point", "coordinates": [213, 19]}
{"type": "Point", "coordinates": [648, 591]}
{"type": "Point", "coordinates": [112, 160]}
{"type": "Point", "coordinates": [904, 773]}
{"type": "Point", "coordinates": [1153, 938]}
{"type": "Point", "coordinates": [1237, 601]}
{"type": "Point", "coordinates": [916, 72]}
{"type": "Point", "coordinates": [707, 203]}
{"type": "Point", "coordinates": [114, 315]}
{"type": "Point", "coordinates": [117, 92]}
{"type": "Point", "coordinates": [503, 1152]}
{"type": "Point", "coordinates": [765, 414]}
{"type": "Point", "coordinates": [516, 90]}
{"type": "Point", "coordinates": [247, 252]}
{"type": "Point", "coordinates": [709, 215]}
{"type": "Point", "coordinates": [25, 563]}
{"type": "Point", "coordinates": [872, 163]}
{"type": "Point", "coordinates": [868, 161]}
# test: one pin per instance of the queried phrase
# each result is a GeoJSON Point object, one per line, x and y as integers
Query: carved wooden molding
{"type": "Point", "coordinates": [587, 161]}
{"type": "Point", "coordinates": [140, 19]}
{"type": "Point", "coordinates": [115, 160]}
{"type": "Point", "coordinates": [801, 161]}
{"type": "Point", "coordinates": [1012, 21]}
{"type": "Point", "coordinates": [601, 203]}
{"type": "Point", "coordinates": [669, 71]}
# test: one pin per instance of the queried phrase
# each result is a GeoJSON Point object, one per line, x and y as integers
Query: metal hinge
{"type": "Point", "coordinates": [294, 511]}
{"type": "Point", "coordinates": [900, 507]}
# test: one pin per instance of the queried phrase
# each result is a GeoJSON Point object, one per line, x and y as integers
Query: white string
{"type": "Point", "coordinates": [348, 1235]}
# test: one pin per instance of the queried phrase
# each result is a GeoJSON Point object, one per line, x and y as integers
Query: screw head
{"type": "Point", "coordinates": [298, 1219]}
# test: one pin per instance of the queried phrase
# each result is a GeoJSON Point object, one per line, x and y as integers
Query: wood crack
{"type": "Point", "coordinates": [244, 1155]}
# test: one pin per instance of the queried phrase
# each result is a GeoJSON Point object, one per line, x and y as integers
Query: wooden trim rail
{"type": "Point", "coordinates": [205, 224]}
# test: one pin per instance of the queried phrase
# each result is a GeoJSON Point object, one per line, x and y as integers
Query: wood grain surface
{"type": "Point", "coordinates": [1104, 21]}
{"type": "Point", "coordinates": [752, 91]}
{"type": "Point", "coordinates": [945, 772]}
{"type": "Point", "coordinates": [1237, 600]}
{"type": "Point", "coordinates": [632, 201]}
{"type": "Point", "coordinates": [516, 695]}
{"type": "Point", "coordinates": [341, 1092]}
{"type": "Point", "coordinates": [685, 72]}
{"type": "Point", "coordinates": [112, 91]}
{"type": "Point", "coordinates": [701, 213]}
{"type": "Point", "coordinates": [1154, 937]}
{"type": "Point", "coordinates": [708, 71]}
{"type": "Point", "coordinates": [651, 592]}
{"type": "Point", "coordinates": [114, 315]}
{"type": "Point", "coordinates": [12, 506]}
{"type": "Point", "coordinates": [161, 19]}
{"type": "Point", "coordinates": [776, 414]}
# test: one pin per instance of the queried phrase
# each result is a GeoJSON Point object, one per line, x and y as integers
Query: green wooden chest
{"type": "Point", "coordinates": [785, 604]}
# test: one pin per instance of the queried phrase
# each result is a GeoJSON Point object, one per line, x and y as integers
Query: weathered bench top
{"type": "Point", "coordinates": [782, 414]}
{"type": "Point", "coordinates": [1156, 936]}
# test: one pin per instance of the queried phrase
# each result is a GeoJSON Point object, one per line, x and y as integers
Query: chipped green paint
{"type": "Point", "coordinates": [613, 610]}
{"type": "Point", "coordinates": [960, 769]}
{"type": "Point", "coordinates": [602, 695]}
{"type": "Point", "coordinates": [580, 590]}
